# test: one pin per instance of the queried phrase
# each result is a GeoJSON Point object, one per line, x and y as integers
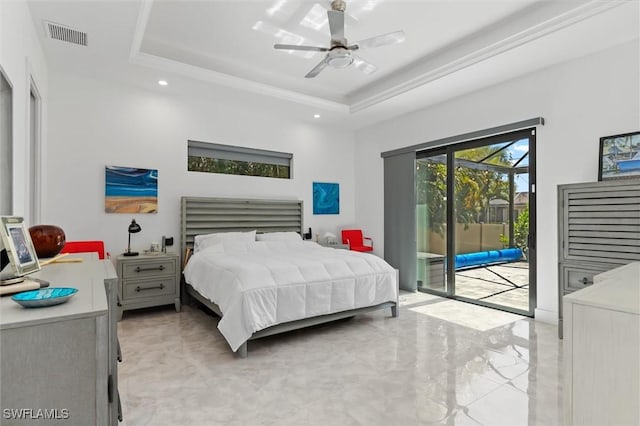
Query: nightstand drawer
{"type": "Point", "coordinates": [149, 268]}
{"type": "Point", "coordinates": [149, 288]}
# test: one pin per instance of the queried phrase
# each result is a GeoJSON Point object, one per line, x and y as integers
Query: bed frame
{"type": "Point", "coordinates": [202, 215]}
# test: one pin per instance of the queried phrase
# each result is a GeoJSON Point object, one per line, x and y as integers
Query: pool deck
{"type": "Point", "coordinates": [506, 284]}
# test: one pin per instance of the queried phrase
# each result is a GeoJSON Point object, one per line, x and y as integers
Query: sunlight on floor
{"type": "Point", "coordinates": [467, 315]}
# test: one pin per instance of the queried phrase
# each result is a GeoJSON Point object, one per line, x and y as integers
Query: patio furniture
{"type": "Point", "coordinates": [431, 270]}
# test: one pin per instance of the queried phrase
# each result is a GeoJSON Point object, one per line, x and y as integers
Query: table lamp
{"type": "Point", "coordinates": [134, 228]}
{"type": "Point", "coordinates": [330, 238]}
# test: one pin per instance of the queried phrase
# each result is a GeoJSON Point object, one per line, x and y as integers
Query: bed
{"type": "Point", "coordinates": [279, 283]}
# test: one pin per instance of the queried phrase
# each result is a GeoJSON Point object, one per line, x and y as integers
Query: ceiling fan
{"type": "Point", "coordinates": [340, 53]}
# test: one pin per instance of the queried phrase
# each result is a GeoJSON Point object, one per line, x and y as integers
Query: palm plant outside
{"type": "Point", "coordinates": [473, 191]}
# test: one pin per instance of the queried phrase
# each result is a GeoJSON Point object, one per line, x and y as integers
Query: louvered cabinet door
{"type": "Point", "coordinates": [600, 222]}
{"type": "Point", "coordinates": [598, 230]}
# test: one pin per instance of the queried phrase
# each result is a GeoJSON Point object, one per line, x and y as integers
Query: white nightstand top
{"type": "Point", "coordinates": [336, 246]}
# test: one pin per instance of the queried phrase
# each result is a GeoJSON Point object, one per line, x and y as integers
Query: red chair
{"type": "Point", "coordinates": [355, 240]}
{"type": "Point", "coordinates": [85, 247]}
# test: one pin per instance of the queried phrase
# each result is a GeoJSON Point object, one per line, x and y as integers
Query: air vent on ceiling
{"type": "Point", "coordinates": [63, 33]}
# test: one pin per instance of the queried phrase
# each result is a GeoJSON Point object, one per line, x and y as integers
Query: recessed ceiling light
{"type": "Point", "coordinates": [162, 82]}
{"type": "Point", "coordinates": [316, 115]}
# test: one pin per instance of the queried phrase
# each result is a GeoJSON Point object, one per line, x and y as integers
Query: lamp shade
{"type": "Point", "coordinates": [134, 227]}
{"type": "Point", "coordinates": [329, 238]}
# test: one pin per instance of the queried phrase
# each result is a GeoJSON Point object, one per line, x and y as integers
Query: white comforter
{"type": "Point", "coordinates": [262, 283]}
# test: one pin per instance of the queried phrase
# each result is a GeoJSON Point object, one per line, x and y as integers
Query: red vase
{"type": "Point", "coordinates": [48, 240]}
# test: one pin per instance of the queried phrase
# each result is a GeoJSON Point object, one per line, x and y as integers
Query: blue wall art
{"type": "Point", "coordinates": [326, 198]}
{"type": "Point", "coordinates": [130, 190]}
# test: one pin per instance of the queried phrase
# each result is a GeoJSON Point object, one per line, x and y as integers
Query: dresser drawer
{"type": "Point", "coordinates": [577, 277]}
{"type": "Point", "coordinates": [149, 268]}
{"type": "Point", "coordinates": [149, 288]}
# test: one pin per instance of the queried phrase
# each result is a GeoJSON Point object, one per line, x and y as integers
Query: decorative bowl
{"type": "Point", "coordinates": [44, 297]}
{"type": "Point", "coordinates": [48, 240]}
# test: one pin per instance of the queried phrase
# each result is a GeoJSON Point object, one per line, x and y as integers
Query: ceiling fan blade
{"type": "Point", "coordinates": [336, 24]}
{"type": "Point", "coordinates": [316, 70]}
{"type": "Point", "coordinates": [299, 47]}
{"type": "Point", "coordinates": [363, 65]}
{"type": "Point", "coordinates": [381, 40]}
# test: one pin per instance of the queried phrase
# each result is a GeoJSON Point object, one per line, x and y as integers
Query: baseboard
{"type": "Point", "coordinates": [549, 317]}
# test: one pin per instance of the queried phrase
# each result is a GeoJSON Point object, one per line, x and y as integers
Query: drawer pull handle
{"type": "Point", "coordinates": [155, 268]}
{"type": "Point", "coordinates": [586, 281]}
{"type": "Point", "coordinates": [139, 289]}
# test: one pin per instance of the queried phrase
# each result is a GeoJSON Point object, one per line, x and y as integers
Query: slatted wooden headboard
{"type": "Point", "coordinates": [203, 215]}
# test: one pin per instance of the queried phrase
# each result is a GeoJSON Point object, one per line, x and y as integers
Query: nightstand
{"type": "Point", "coordinates": [148, 280]}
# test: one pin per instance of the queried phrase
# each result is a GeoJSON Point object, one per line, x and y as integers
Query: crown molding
{"type": "Point", "coordinates": [141, 27]}
{"type": "Point", "coordinates": [504, 44]}
{"type": "Point", "coordinates": [227, 80]}
{"type": "Point", "coordinates": [136, 56]}
{"type": "Point", "coordinates": [582, 12]}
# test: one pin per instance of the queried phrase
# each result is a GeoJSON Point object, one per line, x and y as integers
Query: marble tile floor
{"type": "Point", "coordinates": [417, 369]}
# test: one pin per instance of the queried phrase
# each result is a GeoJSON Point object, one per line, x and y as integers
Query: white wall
{"type": "Point", "coordinates": [580, 100]}
{"type": "Point", "coordinates": [22, 59]}
{"type": "Point", "coordinates": [94, 123]}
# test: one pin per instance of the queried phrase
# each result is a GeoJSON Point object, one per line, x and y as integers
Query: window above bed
{"type": "Point", "coordinates": [235, 160]}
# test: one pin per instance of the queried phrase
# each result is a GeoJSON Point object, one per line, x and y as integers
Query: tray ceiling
{"type": "Point", "coordinates": [450, 46]}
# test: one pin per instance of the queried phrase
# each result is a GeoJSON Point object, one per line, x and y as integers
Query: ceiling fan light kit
{"type": "Point", "coordinates": [340, 54]}
{"type": "Point", "coordinates": [339, 57]}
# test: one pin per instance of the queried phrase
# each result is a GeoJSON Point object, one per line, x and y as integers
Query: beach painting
{"type": "Point", "coordinates": [326, 198]}
{"type": "Point", "coordinates": [130, 190]}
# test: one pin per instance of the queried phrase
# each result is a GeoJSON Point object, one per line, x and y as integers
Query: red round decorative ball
{"type": "Point", "coordinates": [48, 240]}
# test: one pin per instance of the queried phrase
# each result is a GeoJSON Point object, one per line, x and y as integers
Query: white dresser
{"type": "Point", "coordinates": [58, 364]}
{"type": "Point", "coordinates": [602, 350]}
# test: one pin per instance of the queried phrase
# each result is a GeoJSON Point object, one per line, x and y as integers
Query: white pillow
{"type": "Point", "coordinates": [213, 248]}
{"type": "Point", "coordinates": [206, 240]}
{"type": "Point", "coordinates": [230, 246]}
{"type": "Point", "coordinates": [279, 236]}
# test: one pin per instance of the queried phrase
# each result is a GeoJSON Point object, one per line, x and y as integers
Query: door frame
{"type": "Point", "coordinates": [450, 150]}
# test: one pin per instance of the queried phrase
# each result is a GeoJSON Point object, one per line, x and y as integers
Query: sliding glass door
{"type": "Point", "coordinates": [474, 205]}
{"type": "Point", "coordinates": [431, 221]}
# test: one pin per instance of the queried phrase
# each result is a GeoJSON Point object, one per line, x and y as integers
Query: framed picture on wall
{"type": "Point", "coordinates": [130, 190]}
{"type": "Point", "coordinates": [619, 157]}
{"type": "Point", "coordinates": [326, 198]}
